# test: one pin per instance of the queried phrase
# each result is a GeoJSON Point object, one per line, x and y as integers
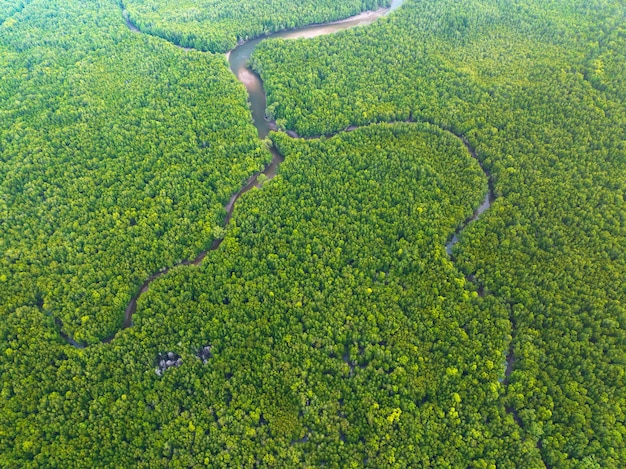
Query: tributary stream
{"type": "Point", "coordinates": [238, 59]}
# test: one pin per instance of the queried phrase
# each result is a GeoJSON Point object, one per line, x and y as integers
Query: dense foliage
{"type": "Point", "coordinates": [539, 88]}
{"type": "Point", "coordinates": [330, 328]}
{"type": "Point", "coordinates": [117, 154]}
{"type": "Point", "coordinates": [9, 8]}
{"type": "Point", "coordinates": [217, 26]}
{"type": "Point", "coordinates": [339, 332]}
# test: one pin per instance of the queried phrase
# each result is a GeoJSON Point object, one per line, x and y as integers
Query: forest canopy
{"type": "Point", "coordinates": [330, 327]}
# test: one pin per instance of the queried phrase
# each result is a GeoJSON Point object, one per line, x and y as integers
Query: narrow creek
{"type": "Point", "coordinates": [238, 60]}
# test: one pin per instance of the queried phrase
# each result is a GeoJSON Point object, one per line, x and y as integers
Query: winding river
{"type": "Point", "coordinates": [239, 56]}
{"type": "Point", "coordinates": [238, 60]}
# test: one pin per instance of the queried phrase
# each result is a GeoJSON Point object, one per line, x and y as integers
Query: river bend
{"type": "Point", "coordinates": [238, 62]}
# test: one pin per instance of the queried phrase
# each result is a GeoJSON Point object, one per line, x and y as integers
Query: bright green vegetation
{"type": "Point", "coordinates": [117, 154]}
{"type": "Point", "coordinates": [539, 88]}
{"type": "Point", "coordinates": [340, 332]}
{"type": "Point", "coordinates": [217, 26]}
